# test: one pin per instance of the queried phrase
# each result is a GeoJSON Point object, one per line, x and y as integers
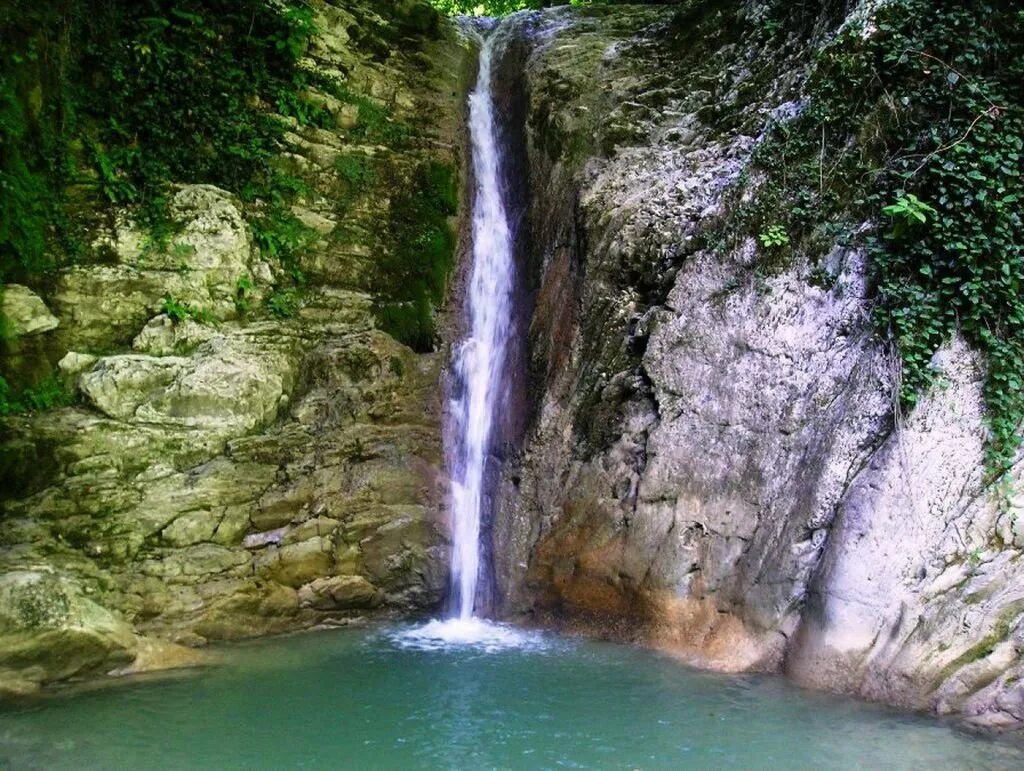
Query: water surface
{"type": "Point", "coordinates": [402, 698]}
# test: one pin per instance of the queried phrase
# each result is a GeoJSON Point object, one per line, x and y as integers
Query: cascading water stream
{"type": "Point", "coordinates": [479, 367]}
{"type": "Point", "coordinates": [481, 357]}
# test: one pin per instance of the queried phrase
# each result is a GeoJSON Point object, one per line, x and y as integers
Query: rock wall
{"type": "Point", "coordinates": [240, 472]}
{"type": "Point", "coordinates": [714, 464]}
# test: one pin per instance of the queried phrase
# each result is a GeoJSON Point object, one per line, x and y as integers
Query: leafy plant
{"type": "Point", "coordinates": [356, 171]}
{"type": "Point", "coordinates": [774, 237]}
{"type": "Point", "coordinates": [919, 121]}
{"type": "Point", "coordinates": [47, 394]}
{"type": "Point", "coordinates": [243, 290]}
{"type": "Point", "coordinates": [117, 99]}
{"type": "Point", "coordinates": [906, 212]}
{"type": "Point", "coordinates": [178, 311]}
{"type": "Point", "coordinates": [282, 236]}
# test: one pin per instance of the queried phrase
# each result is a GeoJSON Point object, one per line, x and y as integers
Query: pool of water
{"type": "Point", "coordinates": [401, 697]}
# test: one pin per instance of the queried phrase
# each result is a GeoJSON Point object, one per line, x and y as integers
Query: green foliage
{"type": "Point", "coordinates": [413, 278]}
{"type": "Point", "coordinates": [921, 122]}
{"type": "Point", "coordinates": [357, 171]}
{"type": "Point", "coordinates": [178, 311]}
{"type": "Point", "coordinates": [243, 292]}
{"type": "Point", "coordinates": [774, 237]}
{"type": "Point", "coordinates": [485, 7]}
{"type": "Point", "coordinates": [113, 99]}
{"type": "Point", "coordinates": [47, 394]}
{"type": "Point", "coordinates": [502, 7]}
{"type": "Point", "coordinates": [282, 236]}
{"type": "Point", "coordinates": [357, 175]}
{"type": "Point", "coordinates": [907, 211]}
{"type": "Point", "coordinates": [284, 303]}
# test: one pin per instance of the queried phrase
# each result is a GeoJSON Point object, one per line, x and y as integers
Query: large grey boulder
{"type": "Point", "coordinates": [228, 387]}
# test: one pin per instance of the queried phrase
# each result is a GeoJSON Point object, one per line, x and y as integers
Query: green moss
{"type": "Point", "coordinates": [984, 648]}
{"type": "Point", "coordinates": [178, 311]}
{"type": "Point", "coordinates": [357, 176]}
{"type": "Point", "coordinates": [284, 303]}
{"type": "Point", "coordinates": [412, 280]}
{"type": "Point", "coordinates": [107, 102]}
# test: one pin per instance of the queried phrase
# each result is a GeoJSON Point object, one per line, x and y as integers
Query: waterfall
{"type": "Point", "coordinates": [480, 381]}
{"type": "Point", "coordinates": [480, 358]}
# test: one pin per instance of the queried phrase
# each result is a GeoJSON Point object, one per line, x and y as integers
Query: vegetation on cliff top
{"type": "Point", "coordinates": [110, 101]}
{"type": "Point", "coordinates": [503, 7]}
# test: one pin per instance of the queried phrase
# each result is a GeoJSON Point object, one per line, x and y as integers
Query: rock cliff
{"type": "Point", "coordinates": [714, 463]}
{"type": "Point", "coordinates": [234, 465]}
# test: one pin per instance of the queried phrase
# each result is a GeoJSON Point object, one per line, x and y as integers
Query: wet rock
{"type": "Point", "coordinates": [295, 564]}
{"type": "Point", "coordinates": [340, 593]}
{"type": "Point", "coordinates": [50, 630]}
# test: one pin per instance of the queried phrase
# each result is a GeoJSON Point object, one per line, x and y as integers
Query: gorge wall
{"type": "Point", "coordinates": [715, 464]}
{"type": "Point", "coordinates": [240, 459]}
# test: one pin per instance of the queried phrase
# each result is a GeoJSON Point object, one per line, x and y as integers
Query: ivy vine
{"type": "Point", "coordinates": [914, 120]}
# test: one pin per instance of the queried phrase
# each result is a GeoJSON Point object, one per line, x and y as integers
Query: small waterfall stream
{"type": "Point", "coordinates": [481, 357]}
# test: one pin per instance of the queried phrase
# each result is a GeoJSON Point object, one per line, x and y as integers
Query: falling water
{"type": "Point", "coordinates": [481, 357]}
{"type": "Point", "coordinates": [479, 372]}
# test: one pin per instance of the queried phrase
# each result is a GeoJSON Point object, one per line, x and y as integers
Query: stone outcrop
{"type": "Point", "coordinates": [226, 470]}
{"type": "Point", "coordinates": [24, 312]}
{"type": "Point", "coordinates": [713, 463]}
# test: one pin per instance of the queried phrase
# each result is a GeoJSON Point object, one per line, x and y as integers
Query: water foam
{"type": "Point", "coordinates": [468, 633]}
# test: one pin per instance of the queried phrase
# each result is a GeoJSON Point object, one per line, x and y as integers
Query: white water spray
{"type": "Point", "coordinates": [481, 357]}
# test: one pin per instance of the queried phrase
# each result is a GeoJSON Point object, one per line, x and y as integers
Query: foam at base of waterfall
{"type": "Point", "coordinates": [473, 633]}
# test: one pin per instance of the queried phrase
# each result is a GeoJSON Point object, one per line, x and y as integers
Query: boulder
{"type": "Point", "coordinates": [228, 387]}
{"type": "Point", "coordinates": [24, 312]}
{"type": "Point", "coordinates": [164, 337]}
{"type": "Point", "coordinates": [73, 364]}
{"type": "Point", "coordinates": [340, 593]}
{"type": "Point", "coordinates": [49, 630]}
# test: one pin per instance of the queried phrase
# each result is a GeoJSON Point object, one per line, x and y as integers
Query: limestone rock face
{"type": "Point", "coordinates": [229, 386]}
{"type": "Point", "coordinates": [105, 305]}
{"type": "Point", "coordinates": [49, 630]}
{"type": "Point", "coordinates": [24, 312]}
{"type": "Point", "coordinates": [713, 464]}
{"type": "Point", "coordinates": [231, 468]}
